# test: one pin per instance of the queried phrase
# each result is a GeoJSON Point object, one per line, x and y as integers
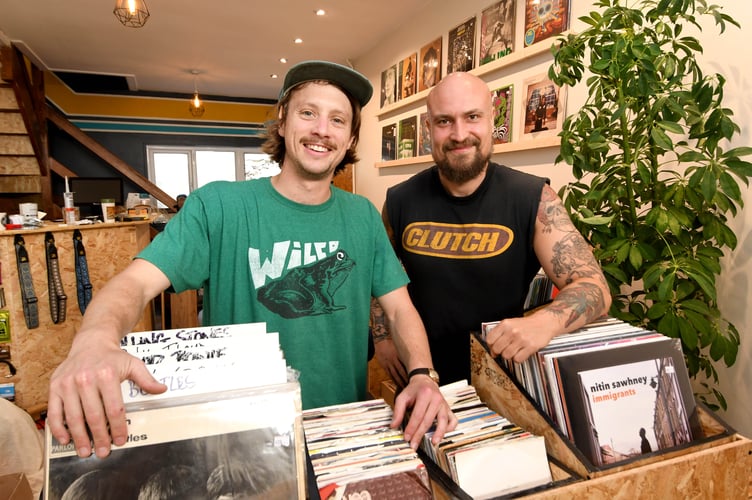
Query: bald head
{"type": "Point", "coordinates": [460, 118]}
{"type": "Point", "coordinates": [459, 85]}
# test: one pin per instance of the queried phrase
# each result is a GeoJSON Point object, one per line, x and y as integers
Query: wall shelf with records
{"type": "Point", "coordinates": [530, 136]}
{"type": "Point", "coordinates": [480, 71]}
{"type": "Point", "coordinates": [510, 147]}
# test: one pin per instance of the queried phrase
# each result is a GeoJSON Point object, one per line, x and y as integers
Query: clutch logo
{"type": "Point", "coordinates": [456, 241]}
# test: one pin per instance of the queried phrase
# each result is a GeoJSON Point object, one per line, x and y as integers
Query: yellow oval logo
{"type": "Point", "coordinates": [456, 241]}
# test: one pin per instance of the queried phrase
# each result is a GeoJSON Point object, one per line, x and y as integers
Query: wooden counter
{"type": "Point", "coordinates": [36, 352]}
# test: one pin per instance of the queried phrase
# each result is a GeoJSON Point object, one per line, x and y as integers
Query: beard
{"type": "Point", "coordinates": [461, 170]}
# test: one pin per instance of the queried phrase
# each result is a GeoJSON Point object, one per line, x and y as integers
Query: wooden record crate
{"type": "Point", "coordinates": [444, 488]}
{"type": "Point", "coordinates": [716, 465]}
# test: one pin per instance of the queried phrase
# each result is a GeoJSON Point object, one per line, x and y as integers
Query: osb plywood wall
{"type": "Point", "coordinates": [36, 352]}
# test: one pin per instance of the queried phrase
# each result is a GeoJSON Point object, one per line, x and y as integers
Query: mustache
{"type": "Point", "coordinates": [451, 145]}
{"type": "Point", "coordinates": [319, 142]}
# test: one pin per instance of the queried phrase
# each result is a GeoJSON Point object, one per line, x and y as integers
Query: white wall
{"type": "Point", "coordinates": [722, 55]}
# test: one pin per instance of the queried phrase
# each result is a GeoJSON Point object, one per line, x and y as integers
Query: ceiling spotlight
{"type": "Point", "coordinates": [283, 60]}
{"type": "Point", "coordinates": [131, 13]}
{"type": "Point", "coordinates": [320, 12]}
{"type": "Point", "coordinates": [298, 40]}
{"type": "Point", "coordinates": [274, 75]}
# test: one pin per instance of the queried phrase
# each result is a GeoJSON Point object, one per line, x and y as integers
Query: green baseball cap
{"type": "Point", "coordinates": [349, 80]}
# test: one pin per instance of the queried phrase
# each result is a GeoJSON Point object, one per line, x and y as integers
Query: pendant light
{"type": "Point", "coordinates": [196, 107]}
{"type": "Point", "coordinates": [131, 13]}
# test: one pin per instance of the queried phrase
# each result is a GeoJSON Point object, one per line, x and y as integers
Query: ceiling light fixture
{"type": "Point", "coordinates": [298, 40]}
{"type": "Point", "coordinates": [196, 107]}
{"type": "Point", "coordinates": [131, 13]}
{"type": "Point", "coordinates": [320, 12]}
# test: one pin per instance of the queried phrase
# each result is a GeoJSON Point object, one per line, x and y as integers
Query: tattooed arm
{"type": "Point", "coordinates": [384, 348]}
{"type": "Point", "coordinates": [568, 260]}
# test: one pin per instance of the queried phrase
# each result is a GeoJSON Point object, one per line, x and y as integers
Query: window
{"type": "Point", "coordinates": [178, 170]}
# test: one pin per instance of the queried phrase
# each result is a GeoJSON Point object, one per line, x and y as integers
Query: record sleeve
{"type": "Point", "coordinates": [389, 142]}
{"type": "Point", "coordinates": [408, 135]}
{"type": "Point", "coordinates": [238, 442]}
{"type": "Point", "coordinates": [408, 75]}
{"type": "Point", "coordinates": [461, 47]}
{"type": "Point", "coordinates": [429, 64]}
{"type": "Point", "coordinates": [389, 86]}
{"type": "Point", "coordinates": [497, 31]}
{"type": "Point", "coordinates": [501, 99]}
{"type": "Point", "coordinates": [542, 107]}
{"type": "Point", "coordinates": [424, 138]}
{"type": "Point", "coordinates": [620, 395]}
{"type": "Point", "coordinates": [544, 19]}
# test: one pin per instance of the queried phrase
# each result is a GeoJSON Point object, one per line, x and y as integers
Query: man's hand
{"type": "Point", "coordinates": [517, 339]}
{"type": "Point", "coordinates": [386, 354]}
{"type": "Point", "coordinates": [85, 392]}
{"type": "Point", "coordinates": [428, 405]}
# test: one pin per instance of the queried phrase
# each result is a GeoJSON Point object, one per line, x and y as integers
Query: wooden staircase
{"type": "Point", "coordinates": [20, 172]}
{"type": "Point", "coordinates": [25, 165]}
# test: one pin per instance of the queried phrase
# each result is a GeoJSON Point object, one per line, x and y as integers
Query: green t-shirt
{"type": "Point", "coordinates": [308, 271]}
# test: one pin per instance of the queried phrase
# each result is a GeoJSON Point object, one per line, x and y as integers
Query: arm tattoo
{"type": "Point", "coordinates": [552, 214]}
{"type": "Point", "coordinates": [379, 330]}
{"type": "Point", "coordinates": [573, 258]}
{"type": "Point", "coordinates": [580, 300]}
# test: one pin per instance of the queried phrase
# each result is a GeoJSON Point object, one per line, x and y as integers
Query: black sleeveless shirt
{"type": "Point", "coordinates": [469, 259]}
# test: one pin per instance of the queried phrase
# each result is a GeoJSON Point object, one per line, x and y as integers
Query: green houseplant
{"type": "Point", "coordinates": [654, 186]}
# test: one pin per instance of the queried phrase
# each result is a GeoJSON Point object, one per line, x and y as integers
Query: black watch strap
{"type": "Point", "coordinates": [424, 371]}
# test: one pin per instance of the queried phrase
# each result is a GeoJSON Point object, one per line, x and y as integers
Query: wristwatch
{"type": "Point", "coordinates": [424, 371]}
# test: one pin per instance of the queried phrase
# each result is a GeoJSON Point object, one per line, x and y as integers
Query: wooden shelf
{"type": "Point", "coordinates": [510, 147]}
{"type": "Point", "coordinates": [484, 69]}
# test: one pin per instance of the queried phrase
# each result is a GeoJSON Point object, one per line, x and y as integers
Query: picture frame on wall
{"type": "Point", "coordinates": [408, 134]}
{"type": "Point", "coordinates": [408, 75]}
{"type": "Point", "coordinates": [461, 47]}
{"type": "Point", "coordinates": [545, 19]}
{"type": "Point", "coordinates": [429, 65]}
{"type": "Point", "coordinates": [497, 31]}
{"type": "Point", "coordinates": [389, 86]}
{"type": "Point", "coordinates": [424, 137]}
{"type": "Point", "coordinates": [389, 142]}
{"type": "Point", "coordinates": [542, 107]}
{"type": "Point", "coordinates": [502, 101]}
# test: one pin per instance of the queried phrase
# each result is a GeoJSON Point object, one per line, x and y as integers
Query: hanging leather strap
{"type": "Point", "coordinates": [29, 298]}
{"type": "Point", "coordinates": [58, 299]}
{"type": "Point", "coordinates": [83, 285]}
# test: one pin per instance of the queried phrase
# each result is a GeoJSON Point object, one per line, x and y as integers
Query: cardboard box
{"type": "Point", "coordinates": [15, 487]}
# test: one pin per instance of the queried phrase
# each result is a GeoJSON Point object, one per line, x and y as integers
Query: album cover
{"type": "Point", "coordinates": [544, 19]}
{"type": "Point", "coordinates": [429, 65]}
{"type": "Point", "coordinates": [424, 138]}
{"type": "Point", "coordinates": [389, 86]}
{"type": "Point", "coordinates": [408, 134]}
{"type": "Point", "coordinates": [543, 107]}
{"type": "Point", "coordinates": [461, 47]}
{"type": "Point", "coordinates": [389, 142]}
{"type": "Point", "coordinates": [356, 454]}
{"type": "Point", "coordinates": [240, 443]}
{"type": "Point", "coordinates": [199, 360]}
{"type": "Point", "coordinates": [497, 31]}
{"type": "Point", "coordinates": [408, 75]}
{"type": "Point", "coordinates": [501, 98]}
{"type": "Point", "coordinates": [628, 399]}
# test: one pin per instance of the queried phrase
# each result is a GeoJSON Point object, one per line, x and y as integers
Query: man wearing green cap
{"type": "Point", "coordinates": [292, 251]}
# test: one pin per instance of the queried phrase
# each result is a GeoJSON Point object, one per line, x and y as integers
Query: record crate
{"type": "Point", "coordinates": [716, 465]}
{"type": "Point", "coordinates": [444, 488]}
